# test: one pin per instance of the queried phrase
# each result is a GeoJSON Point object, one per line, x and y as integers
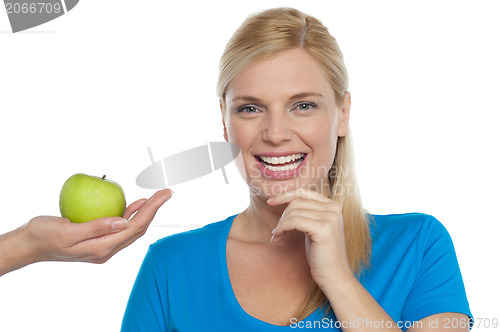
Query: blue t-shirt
{"type": "Point", "coordinates": [183, 283]}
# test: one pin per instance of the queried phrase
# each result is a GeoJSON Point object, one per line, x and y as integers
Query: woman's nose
{"type": "Point", "coordinates": [276, 128]}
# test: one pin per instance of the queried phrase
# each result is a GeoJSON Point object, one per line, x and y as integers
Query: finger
{"type": "Point", "coordinates": [141, 220]}
{"type": "Point", "coordinates": [75, 233]}
{"type": "Point", "coordinates": [151, 206]}
{"type": "Point", "coordinates": [301, 213]}
{"type": "Point", "coordinates": [99, 250]}
{"type": "Point", "coordinates": [310, 204]}
{"type": "Point", "coordinates": [300, 223]}
{"type": "Point", "coordinates": [95, 250]}
{"type": "Point", "coordinates": [303, 193]}
{"type": "Point", "coordinates": [304, 212]}
{"type": "Point", "coordinates": [132, 208]}
{"type": "Point", "coordinates": [99, 227]}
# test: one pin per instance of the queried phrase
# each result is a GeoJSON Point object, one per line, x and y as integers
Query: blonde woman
{"type": "Point", "coordinates": [304, 254]}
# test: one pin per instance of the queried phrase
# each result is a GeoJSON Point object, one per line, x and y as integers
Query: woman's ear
{"type": "Point", "coordinates": [345, 111]}
{"type": "Point", "coordinates": [223, 121]}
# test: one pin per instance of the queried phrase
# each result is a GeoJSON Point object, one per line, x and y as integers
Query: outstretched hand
{"type": "Point", "coordinates": [95, 241]}
{"type": "Point", "coordinates": [48, 238]}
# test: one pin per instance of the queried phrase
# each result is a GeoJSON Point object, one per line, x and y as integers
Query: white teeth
{"type": "Point", "coordinates": [282, 159]}
{"type": "Point", "coordinates": [270, 162]}
{"type": "Point", "coordinates": [290, 167]}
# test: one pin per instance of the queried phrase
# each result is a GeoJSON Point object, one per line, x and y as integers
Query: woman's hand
{"type": "Point", "coordinates": [95, 241]}
{"type": "Point", "coordinates": [320, 218]}
{"type": "Point", "coordinates": [47, 238]}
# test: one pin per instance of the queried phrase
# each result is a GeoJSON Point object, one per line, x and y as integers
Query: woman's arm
{"type": "Point", "coordinates": [355, 309]}
{"type": "Point", "coordinates": [15, 250]}
{"type": "Point", "coordinates": [352, 303]}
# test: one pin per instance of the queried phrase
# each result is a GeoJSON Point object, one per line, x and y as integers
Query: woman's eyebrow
{"type": "Point", "coordinates": [306, 94]}
{"type": "Point", "coordinates": [249, 99]}
{"type": "Point", "coordinates": [252, 99]}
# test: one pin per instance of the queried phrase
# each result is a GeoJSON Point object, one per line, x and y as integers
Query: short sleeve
{"type": "Point", "coordinates": [438, 286]}
{"type": "Point", "coordinates": [145, 310]}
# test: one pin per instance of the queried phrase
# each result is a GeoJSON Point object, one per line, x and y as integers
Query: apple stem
{"type": "Point", "coordinates": [103, 177]}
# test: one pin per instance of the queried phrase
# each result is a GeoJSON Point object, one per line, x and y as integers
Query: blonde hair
{"type": "Point", "coordinates": [266, 34]}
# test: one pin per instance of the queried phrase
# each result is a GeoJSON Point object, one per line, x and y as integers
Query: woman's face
{"type": "Point", "coordinates": [282, 114]}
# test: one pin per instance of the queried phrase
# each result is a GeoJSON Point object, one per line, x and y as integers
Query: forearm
{"type": "Point", "coordinates": [16, 250]}
{"type": "Point", "coordinates": [356, 309]}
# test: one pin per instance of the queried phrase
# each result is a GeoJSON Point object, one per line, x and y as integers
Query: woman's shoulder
{"type": "Point", "coordinates": [404, 220]}
{"type": "Point", "coordinates": [414, 271]}
{"type": "Point", "coordinates": [413, 238]}
{"type": "Point", "coordinates": [407, 225]}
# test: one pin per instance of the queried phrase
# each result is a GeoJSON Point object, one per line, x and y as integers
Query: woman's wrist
{"type": "Point", "coordinates": [340, 286]}
{"type": "Point", "coordinates": [17, 249]}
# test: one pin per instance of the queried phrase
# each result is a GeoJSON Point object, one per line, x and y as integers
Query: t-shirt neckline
{"type": "Point", "coordinates": [235, 305]}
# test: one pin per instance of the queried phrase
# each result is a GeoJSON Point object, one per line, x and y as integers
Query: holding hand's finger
{"type": "Point", "coordinates": [75, 233]}
{"type": "Point", "coordinates": [132, 208]}
{"type": "Point", "coordinates": [151, 206]}
{"type": "Point", "coordinates": [99, 250]}
{"type": "Point", "coordinates": [141, 220]}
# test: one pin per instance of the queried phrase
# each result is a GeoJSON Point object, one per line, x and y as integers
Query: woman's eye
{"type": "Point", "coordinates": [305, 106]}
{"type": "Point", "coordinates": [247, 109]}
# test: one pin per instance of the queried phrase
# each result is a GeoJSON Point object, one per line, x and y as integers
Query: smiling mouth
{"type": "Point", "coordinates": [282, 163]}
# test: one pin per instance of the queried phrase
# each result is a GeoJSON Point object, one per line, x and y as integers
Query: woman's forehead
{"type": "Point", "coordinates": [289, 73]}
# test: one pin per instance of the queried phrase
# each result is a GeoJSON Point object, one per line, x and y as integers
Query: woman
{"type": "Point", "coordinates": [304, 254]}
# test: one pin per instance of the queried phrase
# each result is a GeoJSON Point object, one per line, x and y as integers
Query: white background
{"type": "Point", "coordinates": [90, 91]}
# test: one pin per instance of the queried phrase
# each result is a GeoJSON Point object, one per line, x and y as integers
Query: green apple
{"type": "Point", "coordinates": [86, 197]}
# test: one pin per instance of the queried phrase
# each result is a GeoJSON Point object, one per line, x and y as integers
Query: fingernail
{"type": "Point", "coordinates": [171, 193]}
{"type": "Point", "coordinates": [119, 224]}
{"type": "Point", "coordinates": [274, 230]}
{"type": "Point", "coordinates": [272, 238]}
{"type": "Point", "coordinates": [167, 197]}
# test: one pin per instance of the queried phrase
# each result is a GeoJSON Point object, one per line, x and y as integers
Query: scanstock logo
{"type": "Point", "coordinates": [25, 14]}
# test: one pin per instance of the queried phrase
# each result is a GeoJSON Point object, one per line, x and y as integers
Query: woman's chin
{"type": "Point", "coordinates": [270, 189]}
{"type": "Point", "coordinates": [273, 189]}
